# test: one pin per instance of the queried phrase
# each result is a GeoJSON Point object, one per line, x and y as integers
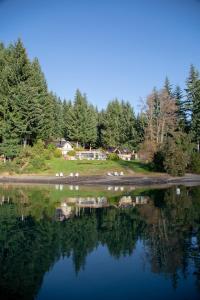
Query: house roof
{"type": "Point", "coordinates": [119, 150]}
{"type": "Point", "coordinates": [62, 142]}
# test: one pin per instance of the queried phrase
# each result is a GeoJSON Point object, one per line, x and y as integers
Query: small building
{"type": "Point", "coordinates": [91, 155]}
{"type": "Point", "coordinates": [124, 154]}
{"type": "Point", "coordinates": [64, 146]}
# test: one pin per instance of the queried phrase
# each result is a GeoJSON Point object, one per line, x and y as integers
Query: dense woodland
{"type": "Point", "coordinates": [169, 122]}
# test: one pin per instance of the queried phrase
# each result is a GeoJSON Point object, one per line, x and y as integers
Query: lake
{"type": "Point", "coordinates": [71, 242]}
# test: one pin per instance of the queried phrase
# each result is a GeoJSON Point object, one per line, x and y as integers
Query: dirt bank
{"type": "Point", "coordinates": [103, 180]}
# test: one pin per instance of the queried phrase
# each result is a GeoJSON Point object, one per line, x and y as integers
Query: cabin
{"type": "Point", "coordinates": [64, 146]}
{"type": "Point", "coordinates": [124, 154]}
{"type": "Point", "coordinates": [91, 155]}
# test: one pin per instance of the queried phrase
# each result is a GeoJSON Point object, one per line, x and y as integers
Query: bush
{"type": "Point", "coordinates": [177, 155]}
{"type": "Point", "coordinates": [48, 154]}
{"type": "Point", "coordinates": [9, 166]}
{"type": "Point", "coordinates": [71, 153]}
{"type": "Point", "coordinates": [51, 147]}
{"type": "Point", "coordinates": [26, 152]}
{"type": "Point", "coordinates": [38, 162]}
{"type": "Point", "coordinates": [38, 147]}
{"type": "Point", "coordinates": [57, 153]}
{"type": "Point", "coordinates": [113, 156]}
{"type": "Point", "coordinates": [195, 163]}
{"type": "Point", "coordinates": [158, 161]}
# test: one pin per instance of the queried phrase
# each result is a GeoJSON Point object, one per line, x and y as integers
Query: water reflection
{"type": "Point", "coordinates": [39, 225]}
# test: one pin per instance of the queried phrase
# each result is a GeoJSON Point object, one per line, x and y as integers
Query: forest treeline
{"type": "Point", "coordinates": [168, 123]}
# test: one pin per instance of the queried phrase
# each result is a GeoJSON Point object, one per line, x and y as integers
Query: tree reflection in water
{"type": "Point", "coordinates": [32, 239]}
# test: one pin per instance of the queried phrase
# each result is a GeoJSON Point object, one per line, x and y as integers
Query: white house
{"type": "Point", "coordinates": [64, 146]}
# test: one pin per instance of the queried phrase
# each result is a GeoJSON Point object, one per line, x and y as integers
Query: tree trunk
{"type": "Point", "coordinates": [25, 142]}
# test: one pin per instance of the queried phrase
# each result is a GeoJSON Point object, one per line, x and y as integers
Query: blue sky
{"type": "Point", "coordinates": [106, 48]}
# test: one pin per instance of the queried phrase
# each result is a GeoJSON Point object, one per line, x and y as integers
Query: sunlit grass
{"type": "Point", "coordinates": [86, 167]}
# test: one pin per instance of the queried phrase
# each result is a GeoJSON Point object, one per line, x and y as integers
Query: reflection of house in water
{"type": "Point", "coordinates": [128, 201]}
{"type": "Point", "coordinates": [4, 199]}
{"type": "Point", "coordinates": [92, 202]}
{"type": "Point", "coordinates": [63, 212]}
{"type": "Point", "coordinates": [141, 199]}
{"type": "Point", "coordinates": [73, 205]}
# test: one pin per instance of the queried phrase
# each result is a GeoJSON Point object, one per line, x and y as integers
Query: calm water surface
{"type": "Point", "coordinates": [110, 243]}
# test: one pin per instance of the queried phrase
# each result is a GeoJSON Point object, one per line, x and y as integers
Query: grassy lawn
{"type": "Point", "coordinates": [85, 167]}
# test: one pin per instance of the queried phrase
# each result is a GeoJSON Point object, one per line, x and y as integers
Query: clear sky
{"type": "Point", "coordinates": [106, 48]}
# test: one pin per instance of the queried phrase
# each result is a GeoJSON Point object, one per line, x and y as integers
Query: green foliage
{"type": "Point", "coordinates": [51, 147]}
{"type": "Point", "coordinates": [71, 153]}
{"type": "Point", "coordinates": [39, 146]}
{"type": "Point", "coordinates": [38, 163]}
{"type": "Point", "coordinates": [119, 125]}
{"type": "Point", "coordinates": [195, 163]}
{"type": "Point", "coordinates": [27, 110]}
{"type": "Point", "coordinates": [30, 112]}
{"type": "Point", "coordinates": [113, 156]}
{"type": "Point", "coordinates": [158, 161]}
{"type": "Point", "coordinates": [57, 153]}
{"type": "Point", "coordinates": [177, 152]}
{"type": "Point", "coordinates": [82, 121]}
{"type": "Point", "coordinates": [192, 104]}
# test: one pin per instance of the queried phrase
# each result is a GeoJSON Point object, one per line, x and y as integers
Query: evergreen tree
{"type": "Point", "coordinates": [111, 133]}
{"type": "Point", "coordinates": [192, 104]}
{"type": "Point", "coordinates": [119, 126]}
{"type": "Point", "coordinates": [14, 91]}
{"type": "Point", "coordinates": [140, 124]}
{"type": "Point", "coordinates": [100, 127]}
{"type": "Point", "coordinates": [2, 95]}
{"type": "Point", "coordinates": [168, 87]}
{"type": "Point", "coordinates": [67, 106]}
{"type": "Point", "coordinates": [181, 115]}
{"type": "Point", "coordinates": [47, 122]}
{"type": "Point", "coordinates": [196, 114]}
{"type": "Point", "coordinates": [128, 134]}
{"type": "Point", "coordinates": [190, 85]}
{"type": "Point", "coordinates": [82, 124]}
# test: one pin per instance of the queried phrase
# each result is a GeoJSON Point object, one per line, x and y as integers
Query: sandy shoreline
{"type": "Point", "coordinates": [102, 180]}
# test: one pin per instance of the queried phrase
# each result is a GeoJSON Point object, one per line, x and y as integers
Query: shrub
{"type": "Point", "coordinates": [38, 162]}
{"type": "Point", "coordinates": [195, 163]}
{"type": "Point", "coordinates": [51, 147]}
{"type": "Point", "coordinates": [158, 161]}
{"type": "Point", "coordinates": [113, 156]}
{"type": "Point", "coordinates": [147, 151]}
{"type": "Point", "coordinates": [177, 153]}
{"type": "Point", "coordinates": [26, 152]}
{"type": "Point", "coordinates": [79, 148]}
{"type": "Point", "coordinates": [38, 147]}
{"type": "Point", "coordinates": [57, 153]}
{"type": "Point", "coordinates": [48, 154]}
{"type": "Point", "coordinates": [9, 166]}
{"type": "Point", "coordinates": [71, 153]}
